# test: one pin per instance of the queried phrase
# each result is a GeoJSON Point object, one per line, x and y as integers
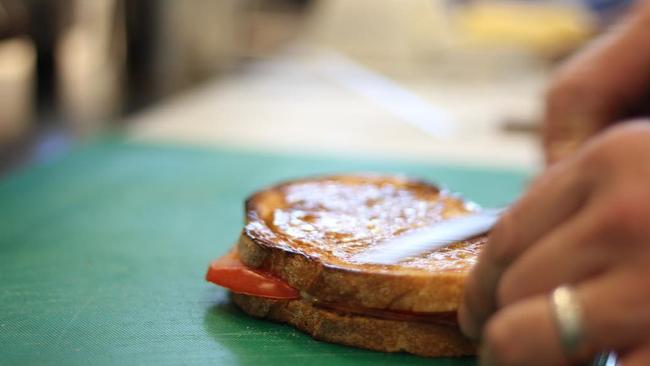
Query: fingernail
{"type": "Point", "coordinates": [467, 323]}
{"type": "Point", "coordinates": [486, 357]}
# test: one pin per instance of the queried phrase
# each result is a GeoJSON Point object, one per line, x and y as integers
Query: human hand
{"type": "Point", "coordinates": [607, 82]}
{"type": "Point", "coordinates": [586, 223]}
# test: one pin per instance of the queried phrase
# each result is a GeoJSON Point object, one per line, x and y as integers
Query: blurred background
{"type": "Point", "coordinates": [444, 80]}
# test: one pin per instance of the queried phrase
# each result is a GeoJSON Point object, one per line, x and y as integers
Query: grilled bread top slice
{"type": "Point", "coordinates": [307, 231]}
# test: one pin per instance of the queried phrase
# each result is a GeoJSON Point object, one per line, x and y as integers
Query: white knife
{"type": "Point", "coordinates": [423, 240]}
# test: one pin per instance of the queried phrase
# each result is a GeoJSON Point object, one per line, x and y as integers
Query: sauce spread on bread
{"type": "Point", "coordinates": [333, 220]}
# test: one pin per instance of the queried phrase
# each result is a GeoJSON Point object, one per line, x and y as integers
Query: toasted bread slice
{"type": "Point", "coordinates": [307, 231]}
{"type": "Point", "coordinates": [420, 338]}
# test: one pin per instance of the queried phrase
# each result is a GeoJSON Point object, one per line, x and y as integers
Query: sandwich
{"type": "Point", "coordinates": [296, 262]}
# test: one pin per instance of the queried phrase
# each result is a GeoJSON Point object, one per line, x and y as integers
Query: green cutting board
{"type": "Point", "coordinates": [103, 252]}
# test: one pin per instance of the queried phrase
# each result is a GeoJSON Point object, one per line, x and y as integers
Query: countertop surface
{"type": "Point", "coordinates": [103, 253]}
{"type": "Point", "coordinates": [321, 101]}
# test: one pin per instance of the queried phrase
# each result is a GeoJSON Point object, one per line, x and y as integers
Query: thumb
{"type": "Point", "coordinates": [599, 85]}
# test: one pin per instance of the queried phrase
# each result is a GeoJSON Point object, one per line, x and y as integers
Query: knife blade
{"type": "Point", "coordinates": [436, 236]}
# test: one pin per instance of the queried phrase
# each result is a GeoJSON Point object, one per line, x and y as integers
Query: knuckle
{"type": "Point", "coordinates": [573, 108]}
{"type": "Point", "coordinates": [562, 89]}
{"type": "Point", "coordinates": [567, 89]}
{"type": "Point", "coordinates": [617, 145]}
{"type": "Point", "coordinates": [625, 213]}
{"type": "Point", "coordinates": [640, 286]}
{"type": "Point", "coordinates": [599, 157]}
{"type": "Point", "coordinates": [643, 288]}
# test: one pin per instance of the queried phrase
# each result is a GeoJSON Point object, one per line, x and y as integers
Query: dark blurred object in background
{"type": "Point", "coordinates": [17, 70]}
{"type": "Point", "coordinates": [70, 68]}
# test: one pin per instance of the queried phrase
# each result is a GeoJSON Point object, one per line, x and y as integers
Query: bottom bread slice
{"type": "Point", "coordinates": [423, 339]}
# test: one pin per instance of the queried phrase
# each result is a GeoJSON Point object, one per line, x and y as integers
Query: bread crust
{"type": "Point", "coordinates": [371, 286]}
{"type": "Point", "coordinates": [422, 339]}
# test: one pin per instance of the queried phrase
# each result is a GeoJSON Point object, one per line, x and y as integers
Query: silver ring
{"type": "Point", "coordinates": [567, 312]}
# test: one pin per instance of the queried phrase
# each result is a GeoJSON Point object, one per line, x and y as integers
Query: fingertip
{"type": "Point", "coordinates": [522, 334]}
{"type": "Point", "coordinates": [467, 323]}
{"type": "Point", "coordinates": [486, 356]}
{"type": "Point", "coordinates": [478, 299]}
{"type": "Point", "coordinates": [474, 308]}
{"type": "Point", "coordinates": [499, 346]}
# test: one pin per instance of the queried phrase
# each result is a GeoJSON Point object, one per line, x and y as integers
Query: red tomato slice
{"type": "Point", "coordinates": [229, 272]}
